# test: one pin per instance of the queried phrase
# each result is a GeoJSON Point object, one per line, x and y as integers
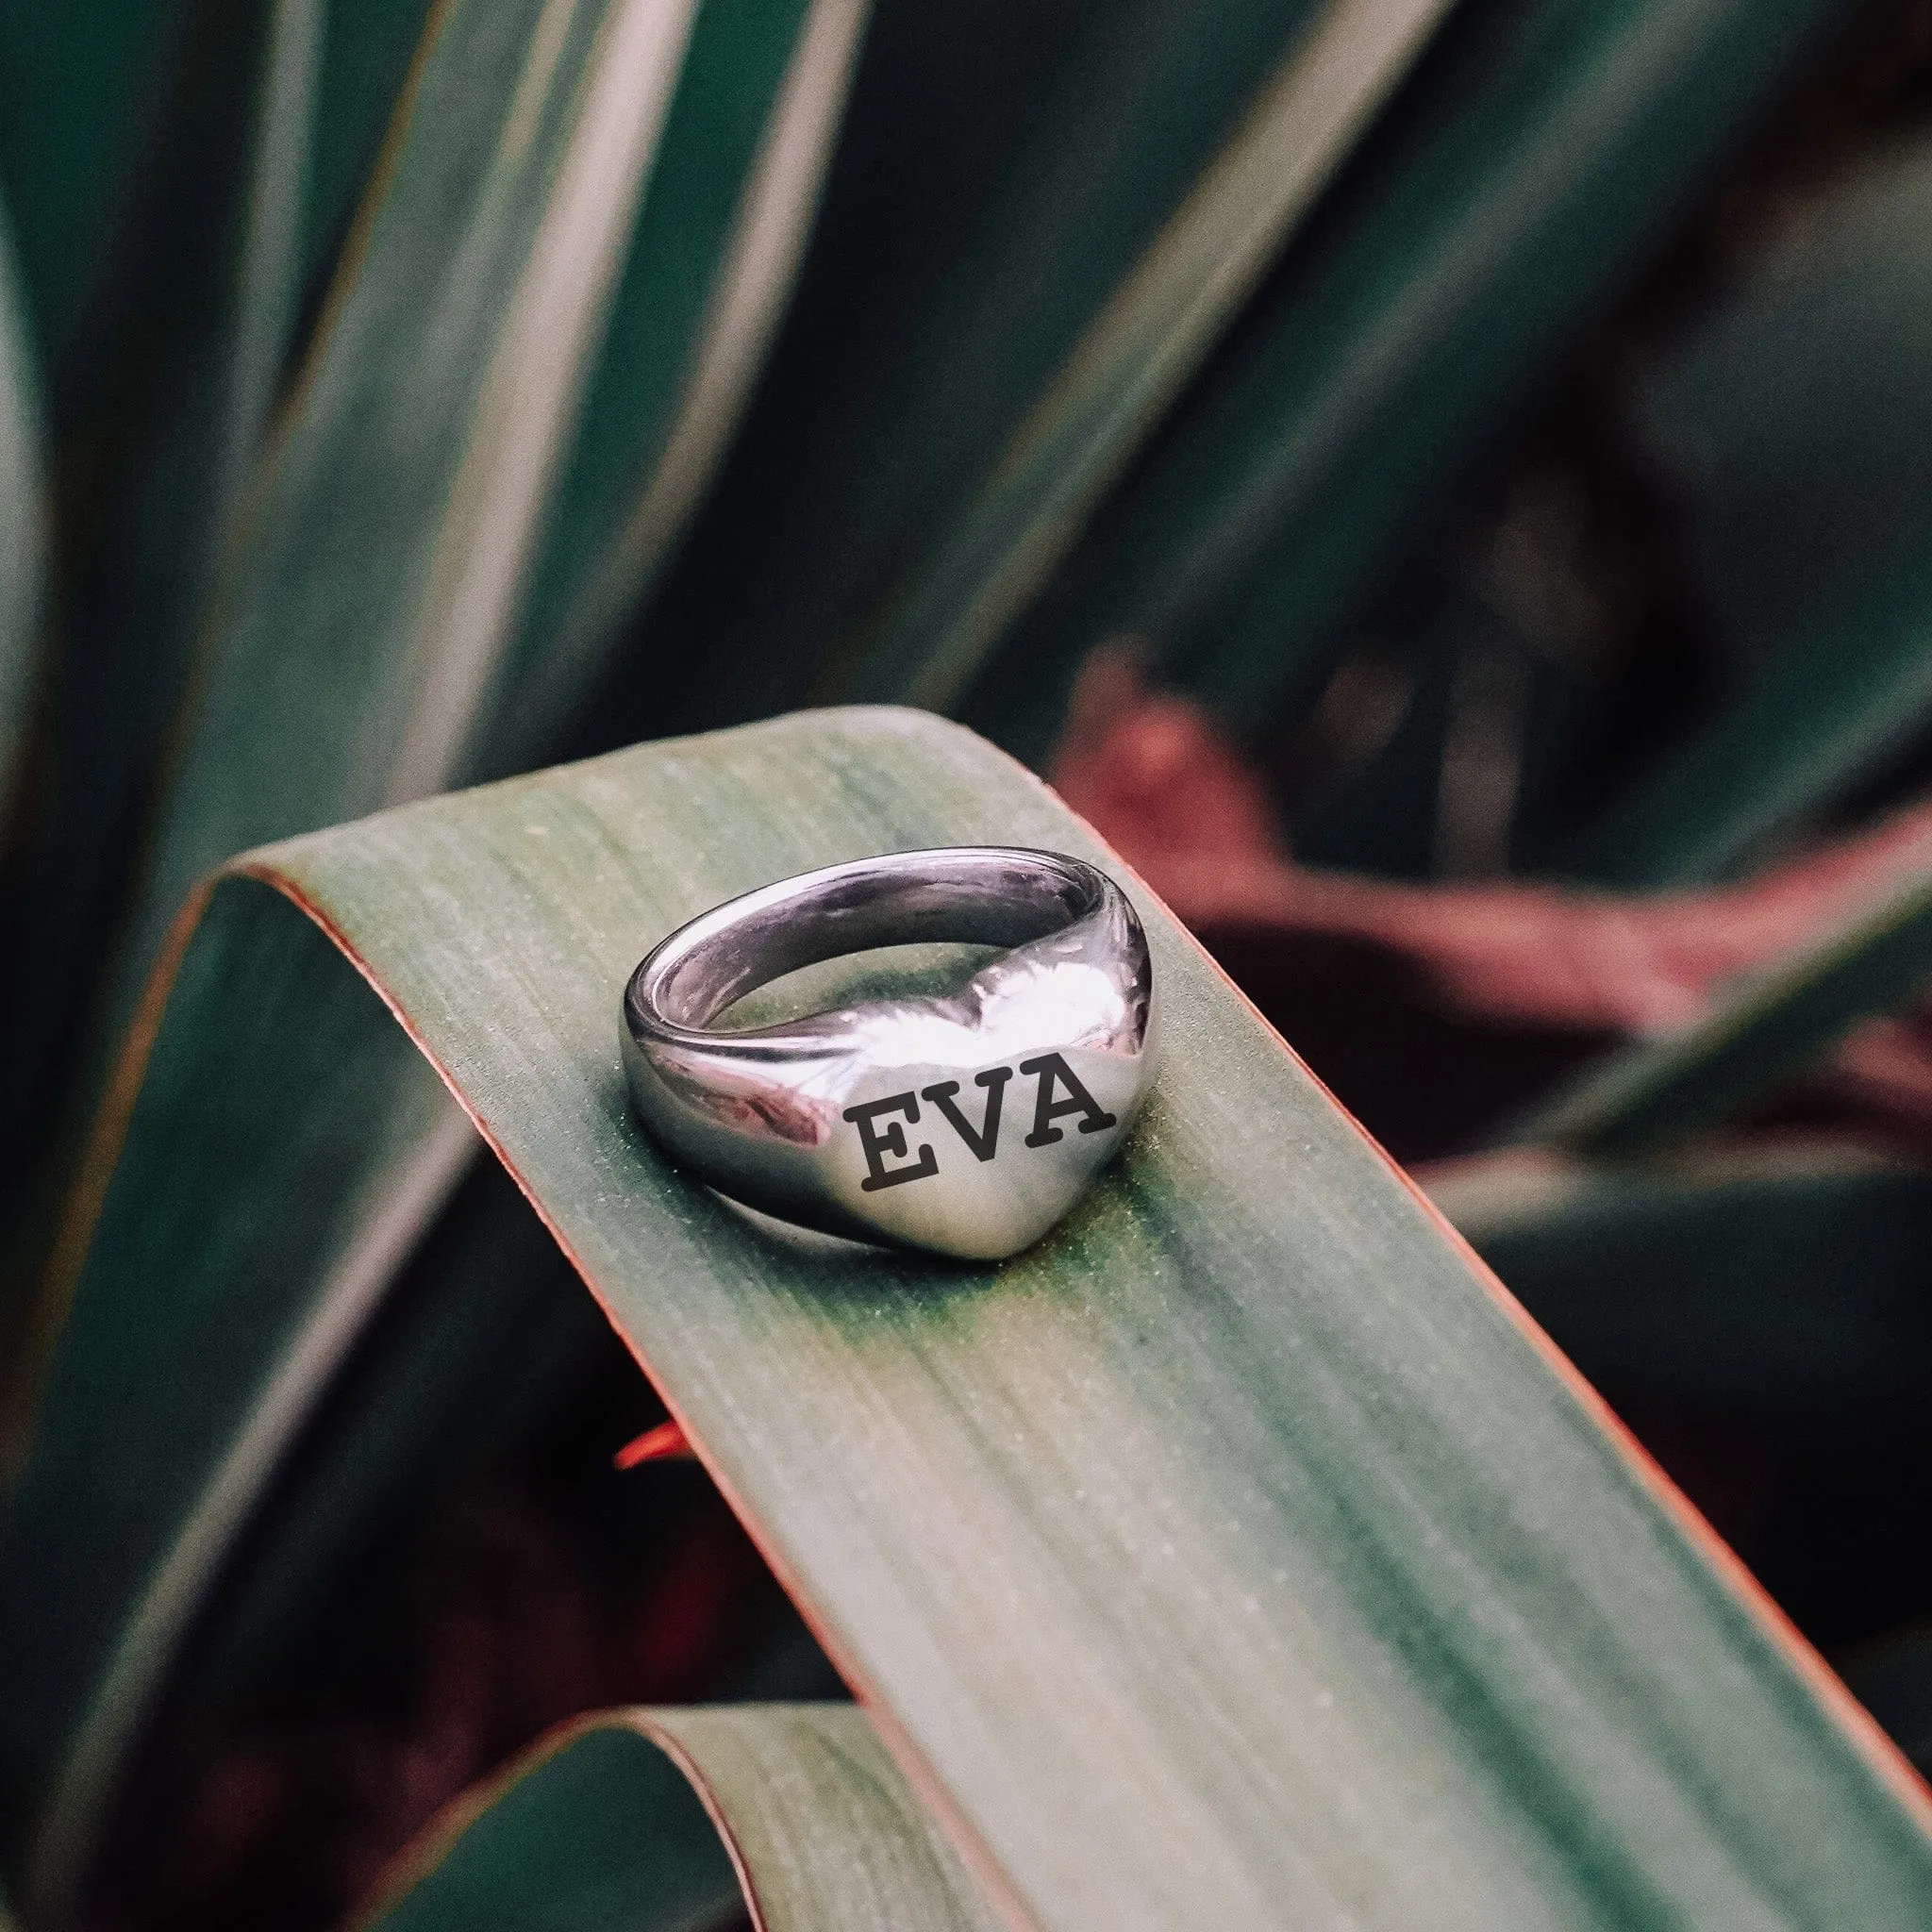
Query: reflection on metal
{"type": "Point", "coordinates": [966, 1124]}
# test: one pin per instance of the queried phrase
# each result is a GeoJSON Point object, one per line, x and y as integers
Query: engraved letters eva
{"type": "Point", "coordinates": [882, 1123]}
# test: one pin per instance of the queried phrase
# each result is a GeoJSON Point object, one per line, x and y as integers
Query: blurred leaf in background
{"type": "Point", "coordinates": [1791, 425]}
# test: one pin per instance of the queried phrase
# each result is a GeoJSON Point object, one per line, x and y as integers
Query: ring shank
{"type": "Point", "coordinates": [987, 895]}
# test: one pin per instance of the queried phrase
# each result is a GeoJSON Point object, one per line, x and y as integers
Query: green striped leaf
{"type": "Point", "coordinates": [362, 66]}
{"type": "Point", "coordinates": [1124, 375]}
{"type": "Point", "coordinates": [642, 1820]}
{"type": "Point", "coordinates": [967, 253]}
{"type": "Point", "coordinates": [1237, 1556]}
{"type": "Point", "coordinates": [1538, 153]}
{"type": "Point", "coordinates": [249, 138]}
{"type": "Point", "coordinates": [718, 245]}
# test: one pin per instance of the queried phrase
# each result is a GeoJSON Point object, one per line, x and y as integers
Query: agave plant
{"type": "Point", "coordinates": [1439, 487]}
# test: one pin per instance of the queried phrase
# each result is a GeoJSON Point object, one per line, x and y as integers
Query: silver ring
{"type": "Point", "coordinates": [966, 1124]}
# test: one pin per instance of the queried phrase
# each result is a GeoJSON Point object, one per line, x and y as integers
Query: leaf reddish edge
{"type": "Point", "coordinates": [662, 1442]}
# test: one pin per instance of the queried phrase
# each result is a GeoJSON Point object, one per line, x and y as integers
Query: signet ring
{"type": "Point", "coordinates": [966, 1124]}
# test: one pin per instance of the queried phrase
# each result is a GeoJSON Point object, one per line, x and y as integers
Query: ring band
{"type": "Point", "coordinates": [966, 1124]}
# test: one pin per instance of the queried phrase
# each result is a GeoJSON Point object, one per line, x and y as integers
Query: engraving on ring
{"type": "Point", "coordinates": [887, 1142]}
{"type": "Point", "coordinates": [985, 1141]}
{"type": "Point", "coordinates": [1051, 1068]}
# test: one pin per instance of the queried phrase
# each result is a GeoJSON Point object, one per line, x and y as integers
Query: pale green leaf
{"type": "Point", "coordinates": [1237, 1556]}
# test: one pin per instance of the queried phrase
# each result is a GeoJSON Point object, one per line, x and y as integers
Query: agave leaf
{"type": "Point", "coordinates": [429, 333]}
{"type": "Point", "coordinates": [153, 413]}
{"type": "Point", "coordinates": [1538, 152]}
{"type": "Point", "coordinates": [823, 1826]}
{"type": "Point", "coordinates": [472, 339]}
{"type": "Point", "coordinates": [595, 1828]}
{"type": "Point", "coordinates": [1448, 1652]}
{"type": "Point", "coordinates": [22, 537]}
{"type": "Point", "coordinates": [331, 77]}
{"type": "Point", "coordinates": [469, 339]}
{"type": "Point", "coordinates": [1123, 376]}
{"type": "Point", "coordinates": [966, 250]}
{"type": "Point", "coordinates": [1782, 1283]}
{"type": "Point", "coordinates": [269, 256]}
{"type": "Point", "coordinates": [1772, 1027]}
{"type": "Point", "coordinates": [648, 1819]}
{"type": "Point", "coordinates": [94, 93]}
{"type": "Point", "coordinates": [1794, 425]}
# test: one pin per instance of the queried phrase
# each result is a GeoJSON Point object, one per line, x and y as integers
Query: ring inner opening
{"type": "Point", "coordinates": [983, 904]}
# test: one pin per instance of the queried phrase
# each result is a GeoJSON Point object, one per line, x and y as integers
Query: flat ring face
{"type": "Point", "coordinates": [965, 1124]}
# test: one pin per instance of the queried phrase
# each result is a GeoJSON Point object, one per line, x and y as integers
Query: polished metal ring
{"type": "Point", "coordinates": [966, 1124]}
